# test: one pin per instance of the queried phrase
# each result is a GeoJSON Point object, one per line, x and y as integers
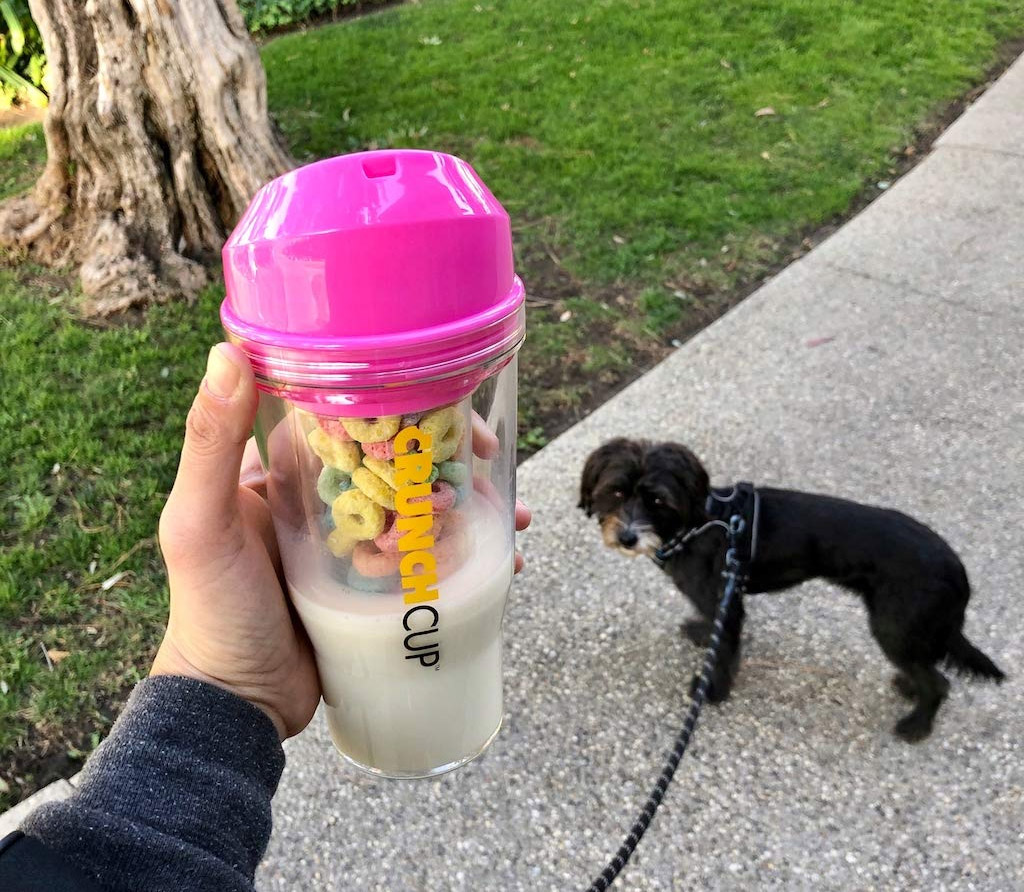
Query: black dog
{"type": "Point", "coordinates": [912, 582]}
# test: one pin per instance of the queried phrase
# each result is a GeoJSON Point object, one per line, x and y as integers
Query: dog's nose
{"type": "Point", "coordinates": [627, 538]}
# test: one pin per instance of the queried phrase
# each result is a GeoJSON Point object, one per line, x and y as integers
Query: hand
{"type": "Point", "coordinates": [230, 623]}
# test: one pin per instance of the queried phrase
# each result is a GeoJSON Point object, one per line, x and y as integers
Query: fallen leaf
{"type": "Point", "coordinates": [618, 239]}
{"type": "Point", "coordinates": [725, 63]}
{"type": "Point", "coordinates": [55, 469]}
{"type": "Point", "coordinates": [57, 655]}
{"type": "Point", "coordinates": [4, 688]}
{"type": "Point", "coordinates": [817, 342]}
{"type": "Point", "coordinates": [433, 40]}
{"type": "Point", "coordinates": [883, 184]}
{"type": "Point", "coordinates": [765, 112]}
{"type": "Point", "coordinates": [108, 584]}
{"type": "Point", "coordinates": [824, 103]}
{"type": "Point", "coordinates": [766, 156]}
{"type": "Point", "coordinates": [566, 316]}
{"type": "Point", "coordinates": [92, 567]}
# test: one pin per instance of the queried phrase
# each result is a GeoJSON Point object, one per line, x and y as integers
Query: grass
{"type": "Point", "coordinates": [22, 153]}
{"type": "Point", "coordinates": [646, 191]}
{"type": "Point", "coordinates": [624, 139]}
{"type": "Point", "coordinates": [90, 426]}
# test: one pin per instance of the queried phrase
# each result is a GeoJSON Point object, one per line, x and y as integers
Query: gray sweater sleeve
{"type": "Point", "coordinates": [177, 797]}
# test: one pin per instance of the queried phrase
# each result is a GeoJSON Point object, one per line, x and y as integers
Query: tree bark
{"type": "Point", "coordinates": [157, 136]}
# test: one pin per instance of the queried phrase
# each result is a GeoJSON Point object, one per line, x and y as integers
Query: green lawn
{"type": "Point", "coordinates": [624, 140]}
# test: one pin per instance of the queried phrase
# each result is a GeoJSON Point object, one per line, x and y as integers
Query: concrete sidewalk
{"type": "Point", "coordinates": [796, 783]}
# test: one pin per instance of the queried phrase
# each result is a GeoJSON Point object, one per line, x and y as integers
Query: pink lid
{"type": "Point", "coordinates": [375, 283]}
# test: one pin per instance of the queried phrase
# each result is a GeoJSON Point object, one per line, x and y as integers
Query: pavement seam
{"type": "Point", "coordinates": [903, 285]}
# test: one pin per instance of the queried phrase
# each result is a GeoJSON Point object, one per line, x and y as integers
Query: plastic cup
{"type": "Point", "coordinates": [375, 296]}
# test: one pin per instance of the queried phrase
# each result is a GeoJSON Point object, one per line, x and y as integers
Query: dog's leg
{"type": "Point", "coordinates": [728, 655]}
{"type": "Point", "coordinates": [931, 688]}
{"type": "Point", "coordinates": [696, 631]}
{"type": "Point", "coordinates": [904, 686]}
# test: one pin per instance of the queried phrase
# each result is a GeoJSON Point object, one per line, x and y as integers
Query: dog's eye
{"type": "Point", "coordinates": [619, 494]}
{"type": "Point", "coordinates": [659, 501]}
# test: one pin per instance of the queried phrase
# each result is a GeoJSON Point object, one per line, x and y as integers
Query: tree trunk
{"type": "Point", "coordinates": [157, 137]}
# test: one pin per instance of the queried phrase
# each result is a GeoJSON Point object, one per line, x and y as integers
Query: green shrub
{"type": "Point", "coordinates": [22, 63]}
{"type": "Point", "coordinates": [268, 15]}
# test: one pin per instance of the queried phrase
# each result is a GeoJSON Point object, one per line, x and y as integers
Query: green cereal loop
{"type": "Point", "coordinates": [455, 472]}
{"type": "Point", "coordinates": [434, 473]}
{"type": "Point", "coordinates": [332, 483]}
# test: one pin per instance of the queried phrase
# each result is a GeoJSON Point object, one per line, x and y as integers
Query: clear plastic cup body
{"type": "Point", "coordinates": [397, 540]}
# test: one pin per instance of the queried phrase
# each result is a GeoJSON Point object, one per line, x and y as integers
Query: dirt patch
{"type": "Point", "coordinates": [17, 115]}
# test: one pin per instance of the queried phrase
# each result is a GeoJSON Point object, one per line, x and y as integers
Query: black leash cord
{"type": "Point", "coordinates": [643, 821]}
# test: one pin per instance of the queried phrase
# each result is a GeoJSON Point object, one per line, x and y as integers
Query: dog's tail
{"type": "Point", "coordinates": [966, 658]}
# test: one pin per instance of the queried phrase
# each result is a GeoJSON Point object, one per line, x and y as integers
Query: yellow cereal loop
{"type": "Point", "coordinates": [334, 453]}
{"type": "Point", "coordinates": [372, 430]}
{"type": "Point", "coordinates": [357, 516]}
{"type": "Point", "coordinates": [341, 543]}
{"type": "Point", "coordinates": [372, 487]}
{"type": "Point", "coordinates": [383, 469]}
{"type": "Point", "coordinates": [445, 427]}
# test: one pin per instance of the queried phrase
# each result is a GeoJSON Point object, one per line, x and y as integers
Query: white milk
{"type": "Point", "coordinates": [393, 715]}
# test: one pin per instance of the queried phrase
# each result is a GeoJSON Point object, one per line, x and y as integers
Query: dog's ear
{"type": "Point", "coordinates": [595, 466]}
{"type": "Point", "coordinates": [691, 482]}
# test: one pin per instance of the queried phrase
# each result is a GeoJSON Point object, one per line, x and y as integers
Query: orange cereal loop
{"type": "Point", "coordinates": [372, 430]}
{"type": "Point", "coordinates": [340, 543]}
{"type": "Point", "coordinates": [369, 560]}
{"type": "Point", "coordinates": [374, 488]}
{"type": "Point", "coordinates": [334, 453]}
{"type": "Point", "coordinates": [357, 516]}
{"type": "Point", "coordinates": [445, 427]}
{"type": "Point", "coordinates": [383, 469]}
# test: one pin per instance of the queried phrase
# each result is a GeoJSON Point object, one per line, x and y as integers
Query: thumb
{"type": "Point", "coordinates": [218, 425]}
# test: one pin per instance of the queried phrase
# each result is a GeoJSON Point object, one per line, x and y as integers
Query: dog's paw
{"type": "Point", "coordinates": [913, 728]}
{"type": "Point", "coordinates": [696, 631]}
{"type": "Point", "coordinates": [904, 686]}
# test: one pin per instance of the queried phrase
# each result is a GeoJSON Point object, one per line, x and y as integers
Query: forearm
{"type": "Point", "coordinates": [177, 797]}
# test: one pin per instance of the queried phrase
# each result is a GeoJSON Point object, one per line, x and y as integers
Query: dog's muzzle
{"type": "Point", "coordinates": [629, 539]}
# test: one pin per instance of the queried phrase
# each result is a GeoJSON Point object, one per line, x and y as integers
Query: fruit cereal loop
{"type": "Point", "coordinates": [374, 488]}
{"type": "Point", "coordinates": [385, 450]}
{"type": "Point", "coordinates": [383, 469]}
{"type": "Point", "coordinates": [372, 430]}
{"type": "Point", "coordinates": [374, 585]}
{"type": "Point", "coordinates": [445, 427]}
{"type": "Point", "coordinates": [340, 543]}
{"type": "Point", "coordinates": [442, 497]}
{"type": "Point", "coordinates": [357, 516]}
{"type": "Point", "coordinates": [334, 428]}
{"type": "Point", "coordinates": [369, 560]}
{"type": "Point", "coordinates": [335, 453]}
{"type": "Point", "coordinates": [332, 483]}
{"type": "Point", "coordinates": [388, 540]}
{"type": "Point", "coordinates": [455, 472]}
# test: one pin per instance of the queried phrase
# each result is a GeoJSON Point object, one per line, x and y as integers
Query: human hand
{"type": "Point", "coordinates": [230, 622]}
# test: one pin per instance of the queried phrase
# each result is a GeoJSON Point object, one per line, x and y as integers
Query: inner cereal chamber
{"type": "Point", "coordinates": [396, 537]}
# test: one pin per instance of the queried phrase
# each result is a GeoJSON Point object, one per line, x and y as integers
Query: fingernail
{"type": "Point", "coordinates": [222, 375]}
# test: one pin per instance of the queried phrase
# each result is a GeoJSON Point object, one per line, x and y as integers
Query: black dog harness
{"type": "Point", "coordinates": [742, 500]}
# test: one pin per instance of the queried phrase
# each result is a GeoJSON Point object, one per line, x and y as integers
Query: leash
{"type": "Point", "coordinates": [734, 579]}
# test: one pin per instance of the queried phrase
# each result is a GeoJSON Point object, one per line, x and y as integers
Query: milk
{"type": "Point", "coordinates": [388, 711]}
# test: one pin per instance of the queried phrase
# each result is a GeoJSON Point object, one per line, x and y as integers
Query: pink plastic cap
{"type": "Point", "coordinates": [375, 283]}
